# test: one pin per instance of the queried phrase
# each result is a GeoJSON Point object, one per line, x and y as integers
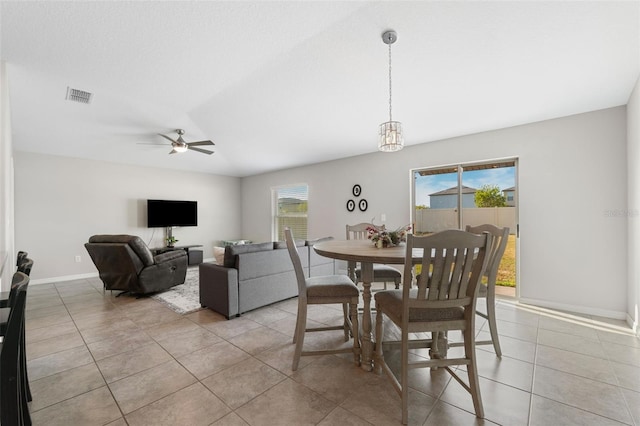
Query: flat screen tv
{"type": "Point", "coordinates": [165, 213]}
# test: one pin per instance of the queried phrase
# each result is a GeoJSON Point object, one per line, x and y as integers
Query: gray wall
{"type": "Point", "coordinates": [7, 249]}
{"type": "Point", "coordinates": [633, 212]}
{"type": "Point", "coordinates": [571, 252]}
{"type": "Point", "coordinates": [60, 202]}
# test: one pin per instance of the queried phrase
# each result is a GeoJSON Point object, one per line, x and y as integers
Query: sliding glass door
{"type": "Point", "coordinates": [452, 197]}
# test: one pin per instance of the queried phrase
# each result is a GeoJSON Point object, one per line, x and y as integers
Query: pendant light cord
{"type": "Point", "coordinates": [390, 119]}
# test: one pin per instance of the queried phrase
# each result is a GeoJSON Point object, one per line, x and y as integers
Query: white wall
{"type": "Point", "coordinates": [633, 216]}
{"type": "Point", "coordinates": [572, 251]}
{"type": "Point", "coordinates": [7, 248]}
{"type": "Point", "coordinates": [60, 202]}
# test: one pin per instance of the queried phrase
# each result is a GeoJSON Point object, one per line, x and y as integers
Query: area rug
{"type": "Point", "coordinates": [183, 298]}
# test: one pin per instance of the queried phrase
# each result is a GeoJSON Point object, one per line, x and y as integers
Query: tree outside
{"type": "Point", "coordinates": [490, 196]}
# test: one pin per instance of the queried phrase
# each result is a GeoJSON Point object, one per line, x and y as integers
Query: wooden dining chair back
{"type": "Point", "coordinates": [20, 257]}
{"type": "Point", "coordinates": [443, 300]}
{"type": "Point", "coordinates": [359, 231]}
{"type": "Point", "coordinates": [25, 266]}
{"type": "Point", "coordinates": [488, 290]}
{"type": "Point", "coordinates": [14, 409]}
{"type": "Point", "coordinates": [8, 303]}
{"type": "Point", "coordinates": [381, 273]}
{"type": "Point", "coordinates": [323, 289]}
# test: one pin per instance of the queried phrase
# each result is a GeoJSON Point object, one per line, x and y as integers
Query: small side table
{"type": "Point", "coordinates": [194, 257]}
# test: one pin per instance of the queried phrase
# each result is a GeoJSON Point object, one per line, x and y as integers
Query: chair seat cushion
{"type": "Point", "coordinates": [331, 286]}
{"type": "Point", "coordinates": [381, 272]}
{"type": "Point", "coordinates": [391, 301]}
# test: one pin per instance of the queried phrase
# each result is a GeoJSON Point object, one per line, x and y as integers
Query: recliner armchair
{"type": "Point", "coordinates": [125, 263]}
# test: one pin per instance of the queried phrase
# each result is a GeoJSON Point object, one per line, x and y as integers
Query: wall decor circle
{"type": "Point", "coordinates": [351, 205]}
{"type": "Point", "coordinates": [357, 190]}
{"type": "Point", "coordinates": [362, 205]}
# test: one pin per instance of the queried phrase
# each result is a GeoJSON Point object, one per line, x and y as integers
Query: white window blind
{"type": "Point", "coordinates": [290, 211]}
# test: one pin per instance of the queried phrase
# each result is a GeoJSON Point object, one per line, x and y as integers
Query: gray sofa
{"type": "Point", "coordinates": [256, 275]}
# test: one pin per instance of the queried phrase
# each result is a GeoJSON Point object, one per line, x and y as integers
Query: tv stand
{"type": "Point", "coordinates": [194, 257]}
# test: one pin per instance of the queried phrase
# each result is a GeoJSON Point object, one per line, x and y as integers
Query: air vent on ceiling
{"type": "Point", "coordinates": [76, 95]}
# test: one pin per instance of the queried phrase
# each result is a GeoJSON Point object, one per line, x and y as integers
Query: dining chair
{"type": "Point", "coordinates": [381, 273]}
{"type": "Point", "coordinates": [20, 257]}
{"type": "Point", "coordinates": [5, 308]}
{"type": "Point", "coordinates": [442, 300]}
{"type": "Point", "coordinates": [320, 290]}
{"type": "Point", "coordinates": [25, 266]}
{"type": "Point", "coordinates": [14, 409]}
{"type": "Point", "coordinates": [488, 290]}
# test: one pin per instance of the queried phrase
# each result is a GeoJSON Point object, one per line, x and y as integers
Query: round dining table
{"type": "Point", "coordinates": [366, 253]}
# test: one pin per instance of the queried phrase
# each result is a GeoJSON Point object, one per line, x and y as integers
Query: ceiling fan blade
{"type": "Point", "coordinates": [200, 143]}
{"type": "Point", "coordinates": [173, 151]}
{"type": "Point", "coordinates": [204, 151]}
{"type": "Point", "coordinates": [167, 138]}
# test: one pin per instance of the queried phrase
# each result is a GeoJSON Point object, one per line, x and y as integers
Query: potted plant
{"type": "Point", "coordinates": [171, 241]}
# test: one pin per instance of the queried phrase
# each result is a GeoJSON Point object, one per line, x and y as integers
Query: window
{"type": "Point", "coordinates": [290, 207]}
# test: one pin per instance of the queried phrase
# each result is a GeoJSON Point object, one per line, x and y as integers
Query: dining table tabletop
{"type": "Point", "coordinates": [367, 254]}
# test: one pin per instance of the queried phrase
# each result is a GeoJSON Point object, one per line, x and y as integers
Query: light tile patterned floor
{"type": "Point", "coordinates": [95, 359]}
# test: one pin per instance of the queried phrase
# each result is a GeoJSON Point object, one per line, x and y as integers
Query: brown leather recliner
{"type": "Point", "coordinates": [125, 263]}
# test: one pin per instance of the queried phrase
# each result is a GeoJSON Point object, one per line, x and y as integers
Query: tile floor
{"type": "Point", "coordinates": [96, 359]}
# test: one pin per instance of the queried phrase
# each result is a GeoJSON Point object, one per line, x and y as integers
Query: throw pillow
{"type": "Point", "coordinates": [218, 255]}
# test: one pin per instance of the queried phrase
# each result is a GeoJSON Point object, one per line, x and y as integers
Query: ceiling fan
{"type": "Point", "coordinates": [179, 145]}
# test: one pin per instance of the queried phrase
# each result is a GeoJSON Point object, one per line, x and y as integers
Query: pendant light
{"type": "Point", "coordinates": [390, 134]}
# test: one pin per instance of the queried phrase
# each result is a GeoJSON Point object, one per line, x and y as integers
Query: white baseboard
{"type": "Point", "coordinates": [78, 276]}
{"type": "Point", "coordinates": [633, 324]}
{"type": "Point", "coordinates": [619, 315]}
{"type": "Point", "coordinates": [63, 278]}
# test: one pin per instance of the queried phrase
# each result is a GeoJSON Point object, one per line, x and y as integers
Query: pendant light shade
{"type": "Point", "coordinates": [391, 138]}
{"type": "Point", "coordinates": [390, 134]}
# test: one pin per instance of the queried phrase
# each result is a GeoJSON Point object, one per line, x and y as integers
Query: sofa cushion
{"type": "Point", "coordinates": [231, 252]}
{"type": "Point", "coordinates": [283, 244]}
{"type": "Point", "coordinates": [266, 263]}
{"type": "Point", "coordinates": [218, 254]}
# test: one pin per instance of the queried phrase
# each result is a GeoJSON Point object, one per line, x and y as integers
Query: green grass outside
{"type": "Point", "coordinates": [507, 269]}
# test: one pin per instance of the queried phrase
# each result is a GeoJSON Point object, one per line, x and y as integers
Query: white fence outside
{"type": "Point", "coordinates": [434, 220]}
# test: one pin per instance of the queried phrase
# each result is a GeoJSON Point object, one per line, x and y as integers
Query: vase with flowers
{"type": "Point", "coordinates": [383, 238]}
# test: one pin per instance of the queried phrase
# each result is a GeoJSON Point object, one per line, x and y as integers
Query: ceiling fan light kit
{"type": "Point", "coordinates": [390, 133]}
{"type": "Point", "coordinates": [179, 145]}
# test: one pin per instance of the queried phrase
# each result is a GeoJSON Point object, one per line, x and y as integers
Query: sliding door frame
{"type": "Point", "coordinates": [461, 167]}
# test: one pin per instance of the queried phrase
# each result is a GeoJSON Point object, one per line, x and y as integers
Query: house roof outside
{"type": "Point", "coordinates": [454, 191]}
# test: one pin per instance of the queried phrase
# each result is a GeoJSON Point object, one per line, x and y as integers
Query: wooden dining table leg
{"type": "Point", "coordinates": [367, 343]}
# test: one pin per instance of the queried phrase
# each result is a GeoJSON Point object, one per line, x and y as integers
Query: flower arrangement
{"type": "Point", "coordinates": [383, 238]}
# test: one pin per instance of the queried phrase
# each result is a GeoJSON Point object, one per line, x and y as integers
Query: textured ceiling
{"type": "Point", "coordinates": [280, 84]}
